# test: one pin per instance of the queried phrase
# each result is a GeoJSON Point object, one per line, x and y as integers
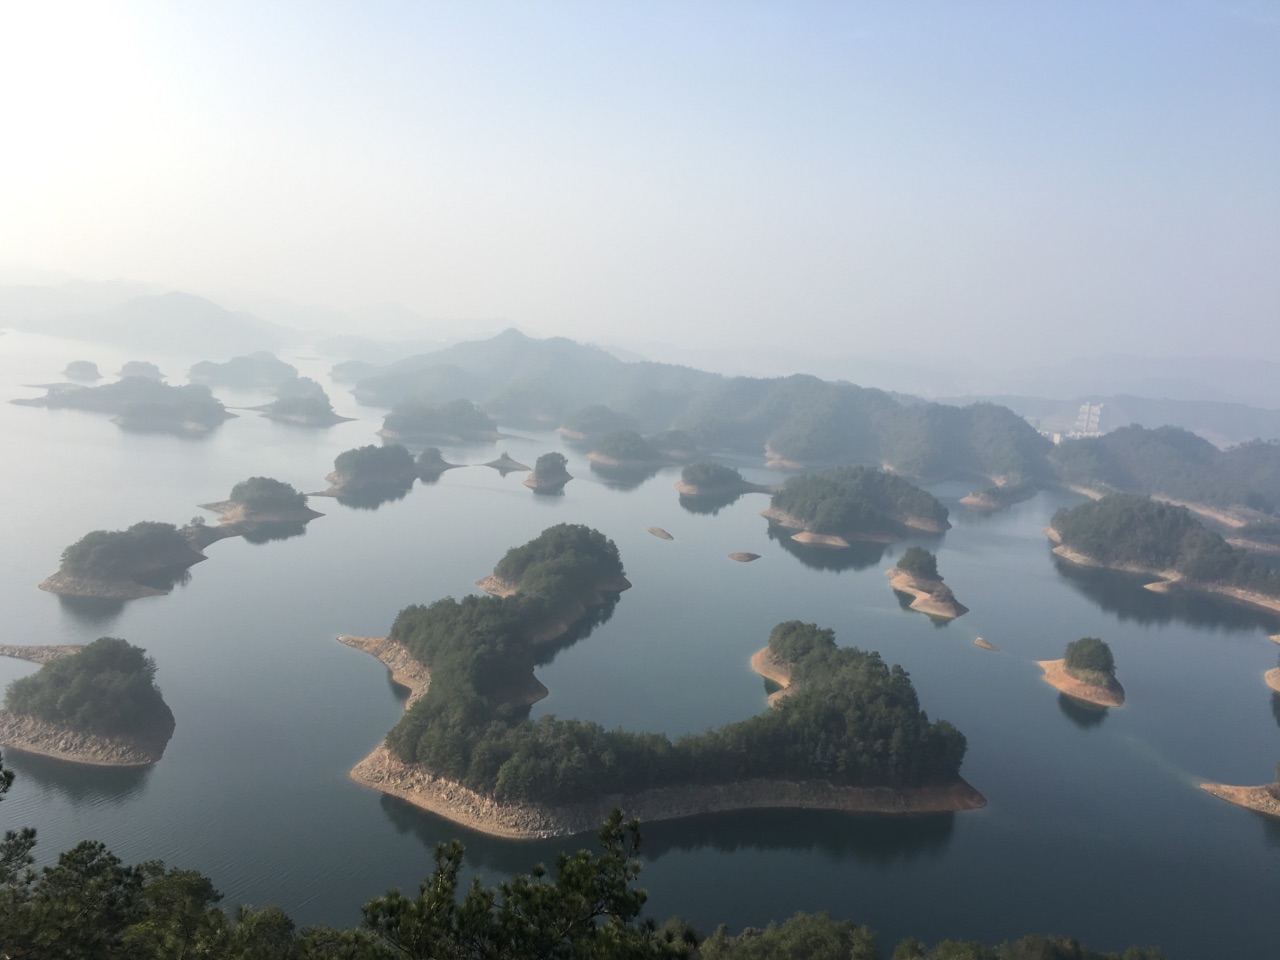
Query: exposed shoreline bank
{"type": "Point", "coordinates": [924, 591]}
{"type": "Point", "coordinates": [774, 670]}
{"type": "Point", "coordinates": [1057, 676]}
{"type": "Point", "coordinates": [1258, 799]}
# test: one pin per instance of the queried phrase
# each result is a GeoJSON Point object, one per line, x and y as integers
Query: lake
{"type": "Point", "coordinates": [1094, 828]}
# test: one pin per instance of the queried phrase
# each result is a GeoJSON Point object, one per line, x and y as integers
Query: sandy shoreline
{"type": "Point", "coordinates": [1272, 678]}
{"type": "Point", "coordinates": [768, 666]}
{"type": "Point", "coordinates": [1056, 675]}
{"type": "Point", "coordinates": [923, 591]}
{"type": "Point", "coordinates": [1259, 799]}
{"type": "Point", "coordinates": [40, 652]}
{"type": "Point", "coordinates": [984, 644]}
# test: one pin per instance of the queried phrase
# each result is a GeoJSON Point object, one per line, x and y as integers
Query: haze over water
{"type": "Point", "coordinates": [1094, 826]}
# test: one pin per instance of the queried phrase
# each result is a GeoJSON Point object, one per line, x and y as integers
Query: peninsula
{"type": "Point", "coordinates": [836, 506]}
{"type": "Point", "coordinates": [96, 704]}
{"type": "Point", "coordinates": [1134, 534]}
{"type": "Point", "coordinates": [498, 772]}
{"type": "Point", "coordinates": [142, 561]}
{"type": "Point", "coordinates": [1086, 672]}
{"type": "Point", "coordinates": [1264, 799]}
{"type": "Point", "coordinates": [917, 574]}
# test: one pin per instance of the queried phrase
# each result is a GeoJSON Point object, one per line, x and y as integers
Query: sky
{"type": "Point", "coordinates": [898, 178]}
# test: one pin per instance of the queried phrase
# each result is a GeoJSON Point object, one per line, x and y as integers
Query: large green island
{"type": "Point", "coordinates": [144, 560]}
{"type": "Point", "coordinates": [1137, 535]}
{"type": "Point", "coordinates": [851, 737]}
{"type": "Point", "coordinates": [97, 705]}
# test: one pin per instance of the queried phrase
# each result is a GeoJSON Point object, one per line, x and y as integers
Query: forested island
{"type": "Point", "coordinates": [453, 422]}
{"type": "Point", "coordinates": [97, 705]}
{"type": "Point", "coordinates": [256, 506]}
{"type": "Point", "coordinates": [625, 449]}
{"type": "Point", "coordinates": [82, 370]}
{"type": "Point", "coordinates": [1087, 671]}
{"type": "Point", "coordinates": [141, 368]}
{"type": "Point", "coordinates": [1232, 486]}
{"type": "Point", "coordinates": [1135, 534]}
{"type": "Point", "coordinates": [916, 574]}
{"type": "Point", "coordinates": [852, 737]}
{"type": "Point", "coordinates": [430, 464]}
{"type": "Point", "coordinates": [591, 423]}
{"type": "Point", "coordinates": [550, 474]}
{"type": "Point", "coordinates": [144, 560]}
{"type": "Point", "coordinates": [714, 481]}
{"type": "Point", "coordinates": [372, 471]}
{"type": "Point", "coordinates": [854, 503]}
{"type": "Point", "coordinates": [141, 403]}
{"type": "Point", "coordinates": [252, 371]}
{"type": "Point", "coordinates": [301, 401]}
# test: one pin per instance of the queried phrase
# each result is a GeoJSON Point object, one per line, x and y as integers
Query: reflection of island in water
{"type": "Point", "coordinates": [841, 836]}
{"type": "Point", "coordinates": [624, 477]}
{"type": "Point", "coordinates": [709, 505]}
{"type": "Point", "coordinates": [269, 532]}
{"type": "Point", "coordinates": [91, 611]}
{"type": "Point", "coordinates": [859, 555]}
{"type": "Point", "coordinates": [1086, 716]}
{"type": "Point", "coordinates": [371, 497]}
{"type": "Point", "coordinates": [79, 781]}
{"type": "Point", "coordinates": [1123, 594]}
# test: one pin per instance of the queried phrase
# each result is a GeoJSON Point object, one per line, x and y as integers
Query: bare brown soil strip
{"type": "Point", "coordinates": [31, 735]}
{"type": "Point", "coordinates": [40, 652]}
{"type": "Point", "coordinates": [1259, 799]}
{"type": "Point", "coordinates": [923, 591]}
{"type": "Point", "coordinates": [660, 533]}
{"type": "Point", "coordinates": [1272, 677]}
{"type": "Point", "coordinates": [1056, 675]}
{"type": "Point", "coordinates": [743, 556]}
{"type": "Point", "coordinates": [984, 644]}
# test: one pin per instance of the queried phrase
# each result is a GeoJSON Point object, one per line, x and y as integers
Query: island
{"type": "Point", "coordinates": [594, 421]}
{"type": "Point", "coordinates": [430, 464]}
{"type": "Point", "coordinates": [249, 372]}
{"type": "Point", "coordinates": [96, 705]}
{"type": "Point", "coordinates": [141, 368]}
{"type": "Point", "coordinates": [144, 560]}
{"type": "Point", "coordinates": [1086, 672]}
{"type": "Point", "coordinates": [143, 404]}
{"type": "Point", "coordinates": [506, 464]}
{"type": "Point", "coordinates": [82, 370]}
{"type": "Point", "coordinates": [715, 481]}
{"type": "Point", "coordinates": [836, 506]}
{"type": "Point", "coordinates": [917, 574]}
{"type": "Point", "coordinates": [467, 750]}
{"type": "Point", "coordinates": [371, 473]}
{"type": "Point", "coordinates": [1272, 679]}
{"type": "Point", "coordinates": [257, 508]}
{"type": "Point", "coordinates": [1002, 493]}
{"type": "Point", "coordinates": [1264, 799]}
{"type": "Point", "coordinates": [624, 450]}
{"type": "Point", "coordinates": [1138, 535]}
{"type": "Point", "coordinates": [459, 421]}
{"type": "Point", "coordinates": [550, 474]}
{"type": "Point", "coordinates": [301, 401]}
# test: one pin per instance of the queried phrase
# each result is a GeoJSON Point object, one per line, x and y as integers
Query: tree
{"type": "Point", "coordinates": [1089, 654]}
{"type": "Point", "coordinates": [919, 562]}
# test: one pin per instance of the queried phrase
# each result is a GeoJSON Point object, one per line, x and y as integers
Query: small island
{"type": "Point", "coordinates": [140, 368]}
{"type": "Point", "coordinates": [594, 421]}
{"type": "Point", "coordinates": [467, 750]}
{"type": "Point", "coordinates": [143, 404]}
{"type": "Point", "coordinates": [1138, 535]}
{"type": "Point", "coordinates": [1087, 672]}
{"type": "Point", "coordinates": [430, 464]}
{"type": "Point", "coordinates": [96, 705]}
{"type": "Point", "coordinates": [302, 402]}
{"type": "Point", "coordinates": [506, 464]}
{"type": "Point", "coordinates": [459, 421]}
{"type": "Point", "coordinates": [836, 506]}
{"type": "Point", "coordinates": [624, 450]}
{"type": "Point", "coordinates": [715, 481]}
{"type": "Point", "coordinates": [82, 370]}
{"type": "Point", "coordinates": [254, 505]}
{"type": "Point", "coordinates": [371, 469]}
{"type": "Point", "coordinates": [550, 474]}
{"type": "Point", "coordinates": [249, 372]}
{"type": "Point", "coordinates": [1002, 493]}
{"type": "Point", "coordinates": [142, 561]}
{"type": "Point", "coordinates": [917, 574]}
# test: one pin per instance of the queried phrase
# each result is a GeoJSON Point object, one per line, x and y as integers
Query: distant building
{"type": "Point", "coordinates": [1088, 421]}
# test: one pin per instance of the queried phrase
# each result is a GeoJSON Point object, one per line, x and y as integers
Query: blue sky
{"type": "Point", "coordinates": [942, 177]}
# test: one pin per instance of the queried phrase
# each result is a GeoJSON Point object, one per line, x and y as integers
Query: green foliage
{"type": "Point", "coordinates": [82, 370]}
{"type": "Point", "coordinates": [626, 445]}
{"type": "Point", "coordinates": [459, 419]}
{"type": "Point", "coordinates": [265, 494]}
{"type": "Point", "coordinates": [373, 465]}
{"type": "Point", "coordinates": [855, 501]}
{"type": "Point", "coordinates": [919, 562]}
{"type": "Point", "coordinates": [143, 401]}
{"type": "Point", "coordinates": [1172, 462]}
{"type": "Point", "coordinates": [259, 369]}
{"type": "Point", "coordinates": [794, 641]}
{"type": "Point", "coordinates": [307, 408]}
{"type": "Point", "coordinates": [805, 936]}
{"type": "Point", "coordinates": [1127, 530]}
{"type": "Point", "coordinates": [121, 554]}
{"type": "Point", "coordinates": [712, 476]}
{"type": "Point", "coordinates": [141, 368]}
{"type": "Point", "coordinates": [1090, 655]}
{"type": "Point", "coordinates": [107, 688]}
{"type": "Point", "coordinates": [597, 421]}
{"type": "Point", "coordinates": [550, 465]}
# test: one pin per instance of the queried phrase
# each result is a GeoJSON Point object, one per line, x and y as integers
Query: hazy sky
{"type": "Point", "coordinates": [1060, 176]}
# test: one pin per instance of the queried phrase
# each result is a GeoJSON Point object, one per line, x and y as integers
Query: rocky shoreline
{"type": "Point", "coordinates": [31, 735]}
{"type": "Point", "coordinates": [927, 595]}
{"type": "Point", "coordinates": [1258, 799]}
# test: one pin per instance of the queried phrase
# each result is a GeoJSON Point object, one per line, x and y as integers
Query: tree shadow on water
{"type": "Point", "coordinates": [857, 556]}
{"type": "Point", "coordinates": [79, 782]}
{"type": "Point", "coordinates": [1084, 715]}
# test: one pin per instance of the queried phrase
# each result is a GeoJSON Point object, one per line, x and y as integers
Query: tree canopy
{"type": "Point", "coordinates": [121, 554]}
{"type": "Point", "coordinates": [919, 562]}
{"type": "Point", "coordinates": [857, 500]}
{"type": "Point", "coordinates": [1090, 655]}
{"type": "Point", "coordinates": [267, 494]}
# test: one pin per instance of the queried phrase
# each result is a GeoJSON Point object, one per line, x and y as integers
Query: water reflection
{"type": "Point", "coordinates": [1275, 707]}
{"type": "Point", "coordinates": [708, 506]}
{"type": "Point", "coordinates": [164, 579]}
{"type": "Point", "coordinates": [1124, 595]}
{"type": "Point", "coordinates": [267, 532]}
{"type": "Point", "coordinates": [595, 616]}
{"type": "Point", "coordinates": [857, 556]}
{"type": "Point", "coordinates": [1086, 716]}
{"type": "Point", "coordinates": [624, 478]}
{"type": "Point", "coordinates": [96, 612]}
{"type": "Point", "coordinates": [371, 498]}
{"type": "Point", "coordinates": [79, 782]}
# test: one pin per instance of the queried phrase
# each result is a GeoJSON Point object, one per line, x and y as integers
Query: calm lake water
{"type": "Point", "coordinates": [1094, 827]}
